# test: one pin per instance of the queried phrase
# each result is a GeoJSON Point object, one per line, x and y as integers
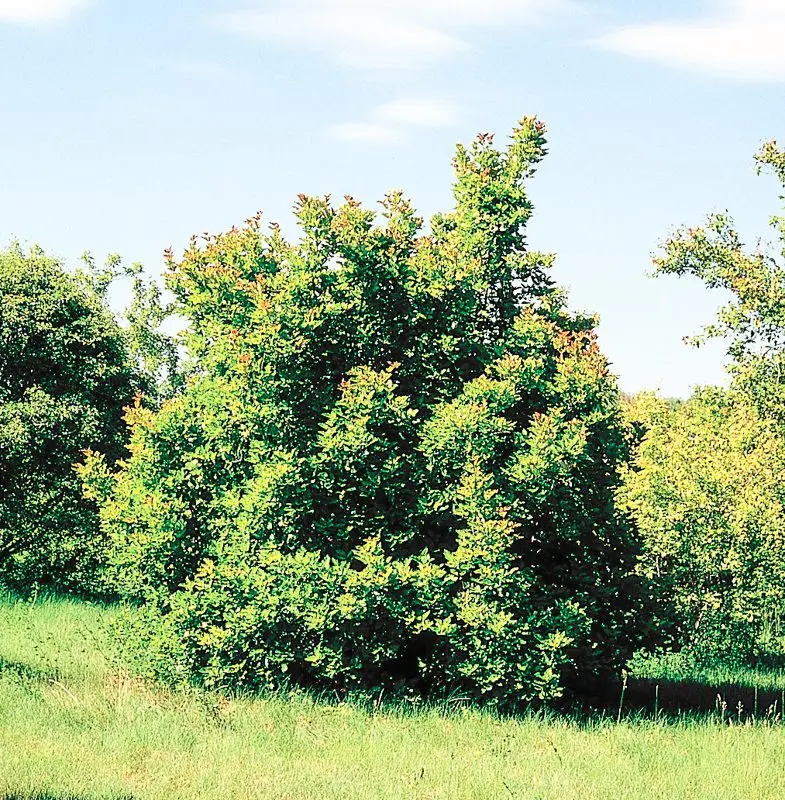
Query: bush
{"type": "Point", "coordinates": [65, 377]}
{"type": "Point", "coordinates": [393, 467]}
{"type": "Point", "coordinates": [706, 492]}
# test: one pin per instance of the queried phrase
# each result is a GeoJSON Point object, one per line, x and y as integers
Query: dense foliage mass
{"type": "Point", "coordinates": [394, 464]}
{"type": "Point", "coordinates": [706, 492]}
{"type": "Point", "coordinates": [65, 376]}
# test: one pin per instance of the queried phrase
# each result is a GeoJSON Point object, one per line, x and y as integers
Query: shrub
{"type": "Point", "coordinates": [705, 490]}
{"type": "Point", "coordinates": [393, 466]}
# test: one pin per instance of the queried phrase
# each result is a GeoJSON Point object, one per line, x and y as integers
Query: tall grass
{"type": "Point", "coordinates": [75, 724]}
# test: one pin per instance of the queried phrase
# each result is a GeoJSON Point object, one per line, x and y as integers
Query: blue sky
{"type": "Point", "coordinates": [126, 127]}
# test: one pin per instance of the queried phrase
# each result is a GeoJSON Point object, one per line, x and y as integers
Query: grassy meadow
{"type": "Point", "coordinates": [74, 724]}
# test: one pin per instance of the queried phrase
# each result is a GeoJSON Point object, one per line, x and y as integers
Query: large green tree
{"type": "Point", "coordinates": [394, 464]}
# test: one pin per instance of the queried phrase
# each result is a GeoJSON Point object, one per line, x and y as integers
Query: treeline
{"type": "Point", "coordinates": [392, 459]}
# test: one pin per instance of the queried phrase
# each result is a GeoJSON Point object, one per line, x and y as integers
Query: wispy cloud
{"type": "Point", "coordinates": [381, 34]}
{"type": "Point", "coordinates": [38, 11]}
{"type": "Point", "coordinates": [391, 121]}
{"type": "Point", "coordinates": [743, 39]}
{"type": "Point", "coordinates": [363, 38]}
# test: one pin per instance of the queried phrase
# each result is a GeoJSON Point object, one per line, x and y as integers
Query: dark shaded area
{"type": "Point", "coordinates": [405, 667]}
{"type": "Point", "coordinates": [438, 534]}
{"type": "Point", "coordinates": [650, 697]}
{"type": "Point", "coordinates": [667, 701]}
{"type": "Point", "coordinates": [26, 672]}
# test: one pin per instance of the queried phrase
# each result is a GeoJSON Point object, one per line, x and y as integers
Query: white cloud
{"type": "Point", "coordinates": [381, 34]}
{"type": "Point", "coordinates": [364, 38]}
{"type": "Point", "coordinates": [744, 39]}
{"type": "Point", "coordinates": [38, 11]}
{"type": "Point", "coordinates": [389, 122]}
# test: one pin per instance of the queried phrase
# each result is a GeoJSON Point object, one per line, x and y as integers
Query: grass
{"type": "Point", "coordinates": [675, 684]}
{"type": "Point", "coordinates": [75, 726]}
{"type": "Point", "coordinates": [676, 667]}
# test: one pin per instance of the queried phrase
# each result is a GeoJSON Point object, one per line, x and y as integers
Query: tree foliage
{"type": "Point", "coordinates": [394, 463]}
{"type": "Point", "coordinates": [753, 321]}
{"type": "Point", "coordinates": [68, 370]}
{"type": "Point", "coordinates": [65, 377]}
{"type": "Point", "coordinates": [152, 351]}
{"type": "Point", "coordinates": [706, 493]}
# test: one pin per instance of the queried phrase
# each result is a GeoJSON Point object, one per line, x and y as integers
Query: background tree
{"type": "Point", "coordinates": [67, 371]}
{"type": "Point", "coordinates": [705, 490]}
{"type": "Point", "coordinates": [753, 321]}
{"type": "Point", "coordinates": [152, 350]}
{"type": "Point", "coordinates": [394, 464]}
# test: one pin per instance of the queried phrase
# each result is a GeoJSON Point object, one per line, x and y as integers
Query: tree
{"type": "Point", "coordinates": [706, 493]}
{"type": "Point", "coordinates": [65, 376]}
{"type": "Point", "coordinates": [68, 370]}
{"type": "Point", "coordinates": [719, 542]}
{"type": "Point", "coordinates": [753, 321]}
{"type": "Point", "coordinates": [393, 466]}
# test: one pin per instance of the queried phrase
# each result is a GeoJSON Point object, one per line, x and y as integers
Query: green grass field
{"type": "Point", "coordinates": [74, 724]}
